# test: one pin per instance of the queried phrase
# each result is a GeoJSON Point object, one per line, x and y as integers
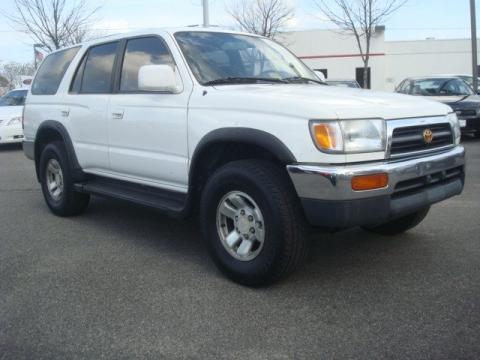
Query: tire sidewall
{"type": "Point", "coordinates": [255, 270]}
{"type": "Point", "coordinates": [54, 151]}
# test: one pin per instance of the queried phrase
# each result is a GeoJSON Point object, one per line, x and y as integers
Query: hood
{"type": "Point", "coordinates": [9, 112]}
{"type": "Point", "coordinates": [328, 102]}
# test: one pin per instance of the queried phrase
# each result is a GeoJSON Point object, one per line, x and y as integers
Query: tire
{"type": "Point", "coordinates": [63, 201]}
{"type": "Point", "coordinates": [400, 225]}
{"type": "Point", "coordinates": [278, 222]}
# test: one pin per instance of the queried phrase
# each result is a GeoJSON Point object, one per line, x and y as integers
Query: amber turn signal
{"type": "Point", "coordinates": [327, 136]}
{"type": "Point", "coordinates": [369, 182]}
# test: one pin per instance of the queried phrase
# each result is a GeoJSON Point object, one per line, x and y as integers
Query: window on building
{"type": "Point", "coordinates": [51, 72]}
{"type": "Point", "coordinates": [359, 77]}
{"type": "Point", "coordinates": [140, 52]}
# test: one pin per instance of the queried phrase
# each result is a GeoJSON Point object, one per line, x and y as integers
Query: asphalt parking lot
{"type": "Point", "coordinates": [123, 282]}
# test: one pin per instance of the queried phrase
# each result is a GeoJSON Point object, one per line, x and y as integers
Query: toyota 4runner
{"type": "Point", "coordinates": [235, 127]}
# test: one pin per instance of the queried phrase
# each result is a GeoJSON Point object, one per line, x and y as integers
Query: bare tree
{"type": "Point", "coordinates": [52, 23]}
{"type": "Point", "coordinates": [359, 17]}
{"type": "Point", "coordinates": [262, 17]}
{"type": "Point", "coordinates": [13, 72]}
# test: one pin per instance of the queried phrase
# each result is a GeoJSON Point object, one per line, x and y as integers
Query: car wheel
{"type": "Point", "coordinates": [57, 184]}
{"type": "Point", "coordinates": [400, 225]}
{"type": "Point", "coordinates": [252, 222]}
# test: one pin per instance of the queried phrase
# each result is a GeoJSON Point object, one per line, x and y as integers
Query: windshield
{"type": "Point", "coordinates": [467, 79]}
{"type": "Point", "coordinates": [14, 98]}
{"type": "Point", "coordinates": [232, 58]}
{"type": "Point", "coordinates": [441, 87]}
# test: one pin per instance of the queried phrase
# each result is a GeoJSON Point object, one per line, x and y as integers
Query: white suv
{"type": "Point", "coordinates": [234, 126]}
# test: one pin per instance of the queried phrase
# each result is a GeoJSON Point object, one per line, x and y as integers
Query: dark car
{"type": "Point", "coordinates": [451, 91]}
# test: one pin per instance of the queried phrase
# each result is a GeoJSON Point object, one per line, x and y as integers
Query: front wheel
{"type": "Point", "coordinates": [400, 225]}
{"type": "Point", "coordinates": [252, 222]}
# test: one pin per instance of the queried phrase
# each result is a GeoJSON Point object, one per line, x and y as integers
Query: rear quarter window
{"type": "Point", "coordinates": [51, 72]}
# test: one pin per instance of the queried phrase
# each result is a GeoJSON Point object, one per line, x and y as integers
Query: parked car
{"type": "Point", "coordinates": [235, 127]}
{"type": "Point", "coordinates": [344, 83]}
{"type": "Point", "coordinates": [11, 108]}
{"type": "Point", "coordinates": [465, 77]}
{"type": "Point", "coordinates": [451, 91]}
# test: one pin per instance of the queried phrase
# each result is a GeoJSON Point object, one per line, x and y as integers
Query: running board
{"type": "Point", "coordinates": [171, 202]}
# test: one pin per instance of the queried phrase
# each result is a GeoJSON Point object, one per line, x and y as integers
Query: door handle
{"type": "Point", "coordinates": [117, 115]}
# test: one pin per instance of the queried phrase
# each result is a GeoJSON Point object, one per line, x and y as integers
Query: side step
{"type": "Point", "coordinates": [171, 202]}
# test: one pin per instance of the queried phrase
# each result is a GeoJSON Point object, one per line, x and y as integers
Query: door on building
{"type": "Point", "coordinates": [359, 77]}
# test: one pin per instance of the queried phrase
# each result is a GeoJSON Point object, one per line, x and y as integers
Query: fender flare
{"type": "Point", "coordinates": [241, 135]}
{"type": "Point", "coordinates": [57, 127]}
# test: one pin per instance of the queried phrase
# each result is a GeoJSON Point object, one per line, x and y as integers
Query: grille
{"type": "Point", "coordinates": [467, 112]}
{"type": "Point", "coordinates": [416, 184]}
{"type": "Point", "coordinates": [410, 139]}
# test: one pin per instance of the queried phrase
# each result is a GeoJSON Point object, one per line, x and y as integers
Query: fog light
{"type": "Point", "coordinates": [369, 182]}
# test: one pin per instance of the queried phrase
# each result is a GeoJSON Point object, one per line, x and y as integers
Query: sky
{"type": "Point", "coordinates": [418, 19]}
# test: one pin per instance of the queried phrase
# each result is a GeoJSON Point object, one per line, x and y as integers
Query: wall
{"type": "Point", "coordinates": [426, 57]}
{"type": "Point", "coordinates": [337, 52]}
{"type": "Point", "coordinates": [391, 62]}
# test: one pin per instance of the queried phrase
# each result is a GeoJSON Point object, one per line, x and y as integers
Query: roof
{"type": "Point", "coordinates": [156, 31]}
{"type": "Point", "coordinates": [170, 30]}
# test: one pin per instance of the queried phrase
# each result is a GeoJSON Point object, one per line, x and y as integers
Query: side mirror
{"type": "Point", "coordinates": [158, 78]}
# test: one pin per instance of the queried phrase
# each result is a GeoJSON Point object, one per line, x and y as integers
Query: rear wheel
{"type": "Point", "coordinates": [400, 225]}
{"type": "Point", "coordinates": [252, 222]}
{"type": "Point", "coordinates": [57, 183]}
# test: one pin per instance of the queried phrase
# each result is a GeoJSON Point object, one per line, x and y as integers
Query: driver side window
{"type": "Point", "coordinates": [140, 52]}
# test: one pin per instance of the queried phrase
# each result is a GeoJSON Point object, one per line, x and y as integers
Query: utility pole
{"type": "Point", "coordinates": [206, 14]}
{"type": "Point", "coordinates": [474, 45]}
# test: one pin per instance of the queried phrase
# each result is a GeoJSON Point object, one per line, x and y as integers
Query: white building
{"type": "Point", "coordinates": [337, 55]}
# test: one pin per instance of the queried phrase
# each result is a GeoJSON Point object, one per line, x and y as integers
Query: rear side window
{"type": "Point", "coordinates": [140, 52]}
{"type": "Point", "coordinates": [98, 69]}
{"type": "Point", "coordinates": [51, 72]}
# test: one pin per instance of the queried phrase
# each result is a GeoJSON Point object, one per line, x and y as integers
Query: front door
{"type": "Point", "coordinates": [148, 130]}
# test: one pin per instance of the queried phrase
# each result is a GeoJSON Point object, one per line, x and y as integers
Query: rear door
{"type": "Point", "coordinates": [148, 130]}
{"type": "Point", "coordinates": [86, 106]}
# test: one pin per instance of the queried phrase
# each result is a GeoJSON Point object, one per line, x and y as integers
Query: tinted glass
{"type": "Point", "coordinates": [51, 72]}
{"type": "Point", "coordinates": [77, 80]}
{"type": "Point", "coordinates": [140, 52]}
{"type": "Point", "coordinates": [404, 87]}
{"type": "Point", "coordinates": [97, 76]}
{"type": "Point", "coordinates": [441, 87]}
{"type": "Point", "coordinates": [214, 56]}
{"type": "Point", "coordinates": [14, 98]}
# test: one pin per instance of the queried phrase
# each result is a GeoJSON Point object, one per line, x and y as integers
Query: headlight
{"type": "Point", "coordinates": [455, 126]}
{"type": "Point", "coordinates": [15, 121]}
{"type": "Point", "coordinates": [349, 136]}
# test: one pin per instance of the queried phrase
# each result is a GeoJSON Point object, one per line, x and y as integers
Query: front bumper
{"type": "Point", "coordinates": [329, 200]}
{"type": "Point", "coordinates": [10, 135]}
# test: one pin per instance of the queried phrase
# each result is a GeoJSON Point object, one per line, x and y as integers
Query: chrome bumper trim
{"type": "Point", "coordinates": [333, 182]}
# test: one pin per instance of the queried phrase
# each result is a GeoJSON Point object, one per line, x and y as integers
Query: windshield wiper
{"type": "Point", "coordinates": [242, 80]}
{"type": "Point", "coordinates": [304, 79]}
